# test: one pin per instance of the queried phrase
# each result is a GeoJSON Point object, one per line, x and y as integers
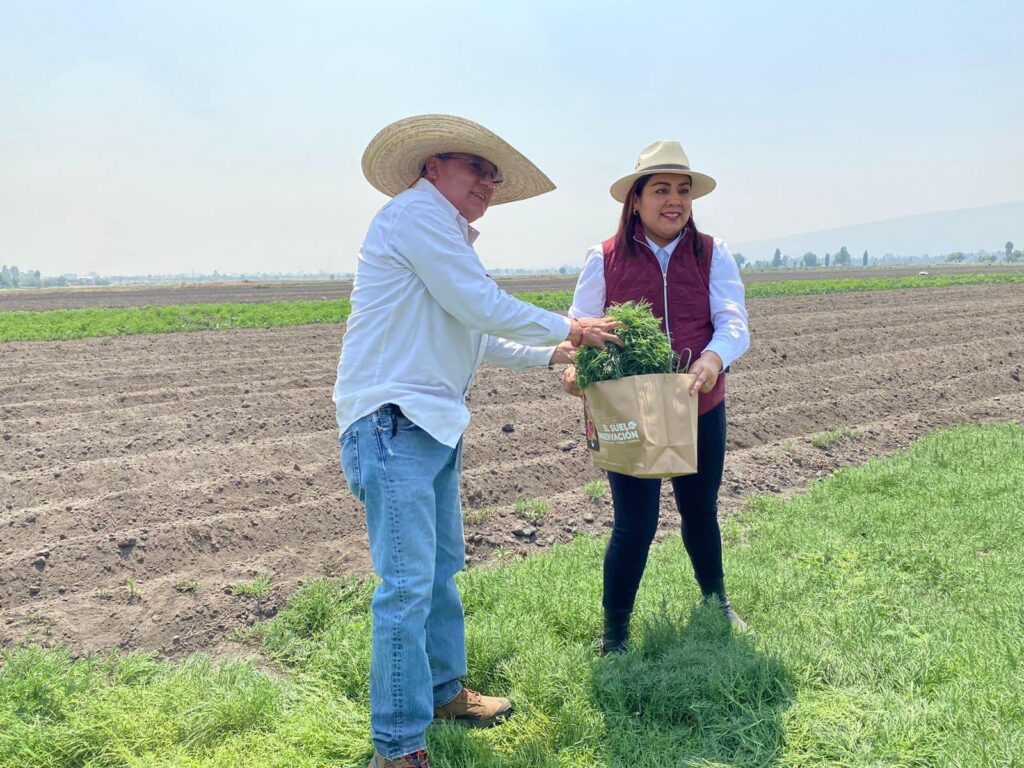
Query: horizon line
{"type": "Point", "coordinates": [875, 221]}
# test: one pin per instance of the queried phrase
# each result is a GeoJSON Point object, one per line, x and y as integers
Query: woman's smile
{"type": "Point", "coordinates": [664, 206]}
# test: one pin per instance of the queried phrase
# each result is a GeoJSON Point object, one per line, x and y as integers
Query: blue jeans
{"type": "Point", "coordinates": [409, 484]}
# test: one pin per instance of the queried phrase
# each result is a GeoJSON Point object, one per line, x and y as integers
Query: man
{"type": "Point", "coordinates": [424, 315]}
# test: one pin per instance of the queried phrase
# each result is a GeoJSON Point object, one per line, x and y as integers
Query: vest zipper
{"type": "Point", "coordinates": [664, 282]}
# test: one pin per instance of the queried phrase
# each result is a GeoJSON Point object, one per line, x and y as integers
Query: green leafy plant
{"type": "Point", "coordinates": [830, 438]}
{"type": "Point", "coordinates": [532, 509]}
{"type": "Point", "coordinates": [480, 515]}
{"type": "Point", "coordinates": [595, 490]}
{"type": "Point", "coordinates": [259, 587]}
{"type": "Point", "coordinates": [133, 590]}
{"type": "Point", "coordinates": [645, 348]}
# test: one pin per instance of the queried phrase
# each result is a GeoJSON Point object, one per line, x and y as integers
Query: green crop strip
{"type": "Point", "coordinates": [61, 324]}
{"type": "Point", "coordinates": [770, 289]}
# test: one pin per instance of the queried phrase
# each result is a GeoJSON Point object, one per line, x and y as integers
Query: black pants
{"type": "Point", "coordinates": [636, 502]}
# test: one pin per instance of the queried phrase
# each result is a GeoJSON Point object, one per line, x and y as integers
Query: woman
{"type": "Point", "coordinates": [693, 284]}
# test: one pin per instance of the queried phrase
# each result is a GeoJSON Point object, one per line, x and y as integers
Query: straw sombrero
{"type": "Point", "coordinates": [394, 158]}
{"type": "Point", "coordinates": [663, 157]}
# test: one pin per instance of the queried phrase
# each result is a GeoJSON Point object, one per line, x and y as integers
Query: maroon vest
{"type": "Point", "coordinates": [688, 287]}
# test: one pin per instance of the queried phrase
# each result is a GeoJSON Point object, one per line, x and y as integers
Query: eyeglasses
{"type": "Point", "coordinates": [482, 168]}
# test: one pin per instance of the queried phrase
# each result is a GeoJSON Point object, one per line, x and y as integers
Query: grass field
{"type": "Point", "coordinates": [60, 324]}
{"type": "Point", "coordinates": [887, 602]}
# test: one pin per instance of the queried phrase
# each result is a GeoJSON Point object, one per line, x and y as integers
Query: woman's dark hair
{"type": "Point", "coordinates": [628, 221]}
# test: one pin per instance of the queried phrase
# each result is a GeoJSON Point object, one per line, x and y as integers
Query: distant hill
{"type": "Point", "coordinates": [935, 234]}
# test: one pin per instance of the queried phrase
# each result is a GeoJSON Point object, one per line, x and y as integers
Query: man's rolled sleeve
{"type": "Point", "coordinates": [509, 354]}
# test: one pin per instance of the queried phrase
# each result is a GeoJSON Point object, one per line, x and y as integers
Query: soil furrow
{"type": "Point", "coordinates": [140, 477]}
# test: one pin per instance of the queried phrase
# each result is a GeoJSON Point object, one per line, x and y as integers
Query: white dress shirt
{"type": "Point", "coordinates": [728, 308]}
{"type": "Point", "coordinates": [425, 314]}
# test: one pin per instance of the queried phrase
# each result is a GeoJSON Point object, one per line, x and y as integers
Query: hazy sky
{"type": "Point", "coordinates": [160, 137]}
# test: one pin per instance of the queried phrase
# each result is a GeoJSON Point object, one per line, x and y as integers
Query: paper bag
{"type": "Point", "coordinates": [644, 426]}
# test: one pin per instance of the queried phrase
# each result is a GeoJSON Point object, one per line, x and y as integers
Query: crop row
{"type": "Point", "coordinates": [62, 324]}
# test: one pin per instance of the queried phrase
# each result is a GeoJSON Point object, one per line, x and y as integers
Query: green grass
{"type": "Point", "coordinates": [831, 437]}
{"type": "Point", "coordinates": [132, 587]}
{"type": "Point", "coordinates": [595, 489]}
{"type": "Point", "coordinates": [532, 509]}
{"type": "Point", "coordinates": [103, 321]}
{"type": "Point", "coordinates": [259, 587]}
{"type": "Point", "coordinates": [770, 289]}
{"type": "Point", "coordinates": [475, 516]}
{"type": "Point", "coordinates": [886, 602]}
{"type": "Point", "coordinates": [60, 324]}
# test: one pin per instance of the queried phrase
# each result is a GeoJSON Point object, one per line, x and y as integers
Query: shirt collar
{"type": "Point", "coordinates": [668, 248]}
{"type": "Point", "coordinates": [468, 232]}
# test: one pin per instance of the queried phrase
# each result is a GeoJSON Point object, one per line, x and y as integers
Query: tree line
{"type": "Point", "coordinates": [12, 277]}
{"type": "Point", "coordinates": [843, 258]}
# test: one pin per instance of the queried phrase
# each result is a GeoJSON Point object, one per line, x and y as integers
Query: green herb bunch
{"type": "Point", "coordinates": [645, 349]}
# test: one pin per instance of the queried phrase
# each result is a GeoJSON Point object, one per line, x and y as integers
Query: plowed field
{"type": "Point", "coordinates": [143, 476]}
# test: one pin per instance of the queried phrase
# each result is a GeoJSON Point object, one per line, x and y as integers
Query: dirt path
{"type": "Point", "coordinates": [133, 468]}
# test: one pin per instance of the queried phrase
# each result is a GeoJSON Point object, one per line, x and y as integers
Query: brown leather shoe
{"type": "Point", "coordinates": [413, 760]}
{"type": "Point", "coordinates": [474, 710]}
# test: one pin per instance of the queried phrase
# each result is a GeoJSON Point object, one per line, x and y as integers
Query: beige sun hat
{"type": "Point", "coordinates": [394, 157]}
{"type": "Point", "coordinates": [663, 157]}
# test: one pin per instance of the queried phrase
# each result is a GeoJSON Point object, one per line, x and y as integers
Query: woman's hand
{"type": "Point", "coordinates": [563, 354]}
{"type": "Point", "coordinates": [569, 382]}
{"type": "Point", "coordinates": [706, 369]}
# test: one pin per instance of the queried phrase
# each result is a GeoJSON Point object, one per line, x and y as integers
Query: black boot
{"type": "Point", "coordinates": [616, 632]}
{"type": "Point", "coordinates": [715, 595]}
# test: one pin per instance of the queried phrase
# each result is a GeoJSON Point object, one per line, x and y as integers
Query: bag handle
{"type": "Point", "coordinates": [689, 359]}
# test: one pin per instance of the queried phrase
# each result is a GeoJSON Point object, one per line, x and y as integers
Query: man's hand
{"type": "Point", "coordinates": [593, 331]}
{"type": "Point", "coordinates": [706, 369]}
{"type": "Point", "coordinates": [569, 382]}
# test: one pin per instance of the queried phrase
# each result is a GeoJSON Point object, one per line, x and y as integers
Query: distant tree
{"type": "Point", "coordinates": [828, 258]}
{"type": "Point", "coordinates": [1015, 256]}
{"type": "Point", "coordinates": [777, 259]}
{"type": "Point", "coordinates": [740, 259]}
{"type": "Point", "coordinates": [1009, 248]}
{"type": "Point", "coordinates": [561, 270]}
{"type": "Point", "coordinates": [864, 263]}
{"type": "Point", "coordinates": [810, 259]}
{"type": "Point", "coordinates": [956, 257]}
{"type": "Point", "coordinates": [987, 258]}
{"type": "Point", "coordinates": [5, 277]}
{"type": "Point", "coordinates": [843, 257]}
